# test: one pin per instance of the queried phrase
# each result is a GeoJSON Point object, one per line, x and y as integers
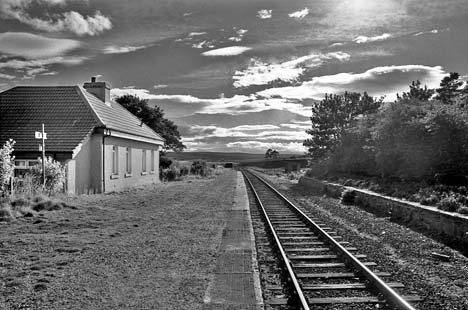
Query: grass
{"type": "Point", "coordinates": [148, 248]}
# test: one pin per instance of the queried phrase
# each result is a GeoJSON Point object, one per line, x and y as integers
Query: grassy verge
{"type": "Point", "coordinates": [147, 248]}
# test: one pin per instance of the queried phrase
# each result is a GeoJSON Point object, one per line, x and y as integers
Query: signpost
{"type": "Point", "coordinates": [42, 135]}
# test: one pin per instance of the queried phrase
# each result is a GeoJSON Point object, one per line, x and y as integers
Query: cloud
{"type": "Point", "coordinates": [227, 51]}
{"type": "Point", "coordinates": [112, 49]}
{"type": "Point", "coordinates": [260, 73]}
{"type": "Point", "coordinates": [159, 86]}
{"type": "Point", "coordinates": [35, 66]}
{"type": "Point", "coordinates": [193, 34]}
{"type": "Point", "coordinates": [33, 46]}
{"type": "Point", "coordinates": [264, 14]}
{"type": "Point", "coordinates": [433, 31]}
{"type": "Point", "coordinates": [364, 39]}
{"type": "Point", "coordinates": [235, 105]}
{"type": "Point", "coordinates": [337, 44]}
{"type": "Point", "coordinates": [6, 76]}
{"type": "Point", "coordinates": [68, 21]}
{"type": "Point", "coordinates": [379, 81]}
{"type": "Point", "coordinates": [240, 35]}
{"type": "Point", "coordinates": [299, 14]}
{"type": "Point", "coordinates": [259, 147]}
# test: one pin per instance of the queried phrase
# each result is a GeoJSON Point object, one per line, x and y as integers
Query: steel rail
{"type": "Point", "coordinates": [390, 295]}
{"type": "Point", "coordinates": [292, 275]}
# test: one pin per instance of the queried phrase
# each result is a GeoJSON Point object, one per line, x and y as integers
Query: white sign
{"type": "Point", "coordinates": [40, 147]}
{"type": "Point", "coordinates": [38, 135]}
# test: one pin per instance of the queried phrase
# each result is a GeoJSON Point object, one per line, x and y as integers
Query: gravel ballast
{"type": "Point", "coordinates": [408, 255]}
{"type": "Point", "coordinates": [153, 247]}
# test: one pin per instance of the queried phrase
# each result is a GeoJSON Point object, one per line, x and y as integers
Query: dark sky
{"type": "Point", "coordinates": [235, 75]}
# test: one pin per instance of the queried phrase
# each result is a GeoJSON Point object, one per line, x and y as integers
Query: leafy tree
{"type": "Point", "coordinates": [449, 88]}
{"type": "Point", "coordinates": [154, 118]}
{"type": "Point", "coordinates": [271, 154]}
{"type": "Point", "coordinates": [417, 92]}
{"type": "Point", "coordinates": [332, 116]}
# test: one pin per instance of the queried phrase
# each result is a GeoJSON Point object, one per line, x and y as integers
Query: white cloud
{"type": "Point", "coordinates": [67, 21]}
{"type": "Point", "coordinates": [112, 49]}
{"type": "Point", "coordinates": [260, 147]}
{"type": "Point", "coordinates": [34, 46]}
{"type": "Point", "coordinates": [227, 51]}
{"type": "Point", "coordinates": [240, 35]}
{"type": "Point", "coordinates": [199, 45]}
{"type": "Point", "coordinates": [379, 81]}
{"type": "Point", "coordinates": [235, 105]}
{"type": "Point", "coordinates": [254, 127]}
{"type": "Point", "coordinates": [264, 14]}
{"type": "Point", "coordinates": [365, 39]}
{"type": "Point", "coordinates": [33, 67]}
{"type": "Point", "coordinates": [193, 34]}
{"type": "Point", "coordinates": [260, 73]}
{"type": "Point", "coordinates": [6, 76]}
{"type": "Point", "coordinates": [337, 44]}
{"type": "Point", "coordinates": [433, 31]}
{"type": "Point", "coordinates": [159, 86]}
{"type": "Point", "coordinates": [299, 14]}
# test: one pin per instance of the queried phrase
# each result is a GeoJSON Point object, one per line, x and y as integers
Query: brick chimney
{"type": "Point", "coordinates": [99, 89]}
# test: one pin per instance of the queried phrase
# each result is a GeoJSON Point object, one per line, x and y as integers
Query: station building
{"type": "Point", "coordinates": [103, 146]}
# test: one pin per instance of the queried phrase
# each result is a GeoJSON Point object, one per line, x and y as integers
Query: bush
{"type": "Point", "coordinates": [6, 213]}
{"type": "Point", "coordinates": [55, 175]}
{"type": "Point", "coordinates": [7, 165]}
{"type": "Point", "coordinates": [200, 168]}
{"type": "Point", "coordinates": [348, 197]}
{"type": "Point", "coordinates": [463, 210]}
{"type": "Point", "coordinates": [449, 204]}
{"type": "Point", "coordinates": [164, 162]}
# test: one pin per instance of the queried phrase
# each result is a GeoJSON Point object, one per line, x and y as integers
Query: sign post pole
{"type": "Point", "coordinates": [43, 158]}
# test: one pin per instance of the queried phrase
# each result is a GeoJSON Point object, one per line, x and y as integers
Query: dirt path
{"type": "Point", "coordinates": [148, 248]}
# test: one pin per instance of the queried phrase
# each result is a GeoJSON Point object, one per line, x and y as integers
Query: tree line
{"type": "Point", "coordinates": [422, 135]}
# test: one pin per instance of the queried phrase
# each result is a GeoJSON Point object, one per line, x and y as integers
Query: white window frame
{"type": "Point", "coordinates": [115, 160]}
{"type": "Point", "coordinates": [143, 161]}
{"type": "Point", "coordinates": [152, 161]}
{"type": "Point", "coordinates": [128, 161]}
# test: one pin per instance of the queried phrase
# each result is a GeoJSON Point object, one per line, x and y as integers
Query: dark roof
{"type": "Point", "coordinates": [69, 113]}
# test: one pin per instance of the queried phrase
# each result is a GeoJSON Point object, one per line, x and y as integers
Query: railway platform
{"type": "Point", "coordinates": [235, 283]}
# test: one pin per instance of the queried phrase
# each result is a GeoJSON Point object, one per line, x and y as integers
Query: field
{"type": "Point", "coordinates": [219, 156]}
{"type": "Point", "coordinates": [147, 248]}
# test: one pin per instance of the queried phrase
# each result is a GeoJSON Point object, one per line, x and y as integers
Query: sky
{"type": "Point", "coordinates": [234, 75]}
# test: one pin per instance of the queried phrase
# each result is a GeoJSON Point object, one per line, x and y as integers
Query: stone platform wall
{"type": "Point", "coordinates": [453, 225]}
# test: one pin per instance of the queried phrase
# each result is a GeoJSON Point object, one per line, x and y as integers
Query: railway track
{"type": "Point", "coordinates": [321, 270]}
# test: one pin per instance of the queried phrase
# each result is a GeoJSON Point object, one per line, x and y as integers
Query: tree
{"type": "Point", "coordinates": [332, 116]}
{"type": "Point", "coordinates": [417, 92]}
{"type": "Point", "coordinates": [154, 118]}
{"type": "Point", "coordinates": [449, 88]}
{"type": "Point", "coordinates": [271, 154]}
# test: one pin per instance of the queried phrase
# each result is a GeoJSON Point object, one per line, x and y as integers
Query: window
{"type": "Point", "coordinates": [115, 159]}
{"type": "Point", "coordinates": [143, 161]}
{"type": "Point", "coordinates": [128, 160]}
{"type": "Point", "coordinates": [152, 160]}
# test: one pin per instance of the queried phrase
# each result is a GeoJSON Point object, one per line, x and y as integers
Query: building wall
{"type": "Point", "coordinates": [121, 180]}
{"type": "Point", "coordinates": [88, 167]}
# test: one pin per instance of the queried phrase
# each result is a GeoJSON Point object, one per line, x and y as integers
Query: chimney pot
{"type": "Point", "coordinates": [93, 79]}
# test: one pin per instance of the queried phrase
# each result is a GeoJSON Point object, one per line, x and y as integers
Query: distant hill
{"type": "Point", "coordinates": [219, 156]}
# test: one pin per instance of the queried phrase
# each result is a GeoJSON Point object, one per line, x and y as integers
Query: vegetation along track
{"type": "Point", "coordinates": [305, 265]}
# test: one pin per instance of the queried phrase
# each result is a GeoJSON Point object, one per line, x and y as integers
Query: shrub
{"type": "Point", "coordinates": [448, 203]}
{"type": "Point", "coordinates": [200, 168]}
{"type": "Point", "coordinates": [6, 213]}
{"type": "Point", "coordinates": [463, 210]}
{"type": "Point", "coordinates": [169, 174]}
{"type": "Point", "coordinates": [7, 165]}
{"type": "Point", "coordinates": [164, 162]}
{"type": "Point", "coordinates": [55, 175]}
{"type": "Point", "coordinates": [348, 197]}
{"type": "Point", "coordinates": [430, 200]}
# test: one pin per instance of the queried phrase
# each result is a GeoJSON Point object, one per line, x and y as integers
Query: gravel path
{"type": "Point", "coordinates": [398, 250]}
{"type": "Point", "coordinates": [147, 248]}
